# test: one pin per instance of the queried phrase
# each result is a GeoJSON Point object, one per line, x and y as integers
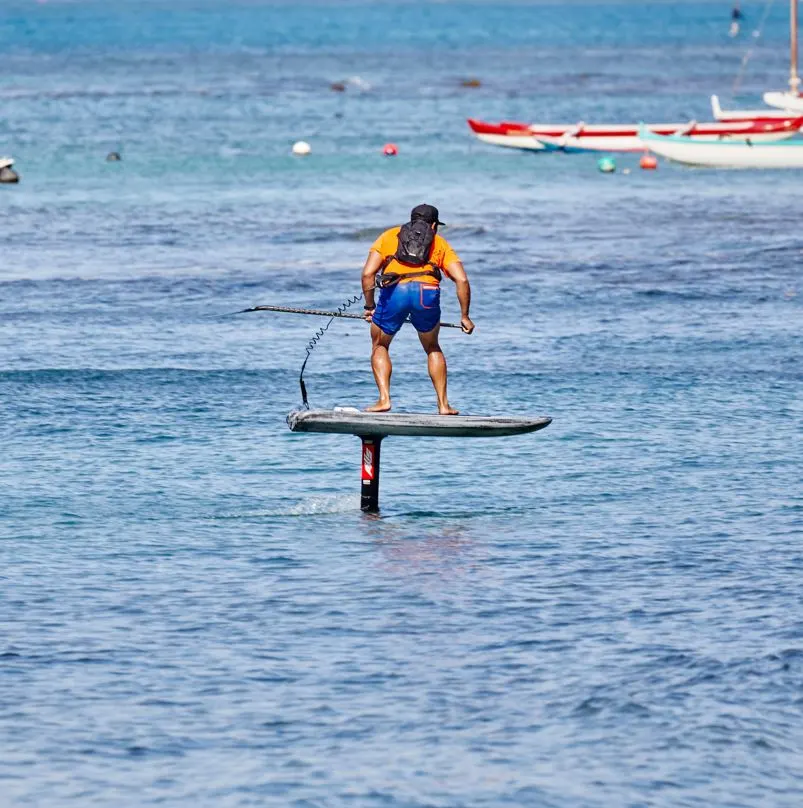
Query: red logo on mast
{"type": "Point", "coordinates": [367, 462]}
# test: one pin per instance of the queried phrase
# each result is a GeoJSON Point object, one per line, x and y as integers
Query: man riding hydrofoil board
{"type": "Point", "coordinates": [406, 264]}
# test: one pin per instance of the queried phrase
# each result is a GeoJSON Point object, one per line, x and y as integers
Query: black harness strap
{"type": "Point", "coordinates": [385, 279]}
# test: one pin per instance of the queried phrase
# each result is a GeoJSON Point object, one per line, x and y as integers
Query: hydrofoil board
{"type": "Point", "coordinates": [351, 421]}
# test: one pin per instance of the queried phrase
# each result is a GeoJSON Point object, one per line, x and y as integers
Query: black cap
{"type": "Point", "coordinates": [429, 213]}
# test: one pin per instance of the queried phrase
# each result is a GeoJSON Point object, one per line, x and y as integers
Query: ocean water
{"type": "Point", "coordinates": [193, 610]}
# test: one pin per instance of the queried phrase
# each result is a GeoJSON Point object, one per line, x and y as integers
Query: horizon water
{"type": "Point", "coordinates": [195, 612]}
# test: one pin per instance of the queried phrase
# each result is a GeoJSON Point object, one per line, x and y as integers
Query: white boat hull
{"type": "Point", "coordinates": [726, 155]}
{"type": "Point", "coordinates": [785, 101]}
{"type": "Point", "coordinates": [527, 142]}
{"type": "Point", "coordinates": [738, 115]}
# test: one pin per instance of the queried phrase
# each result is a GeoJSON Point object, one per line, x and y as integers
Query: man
{"type": "Point", "coordinates": [736, 20]}
{"type": "Point", "coordinates": [412, 259]}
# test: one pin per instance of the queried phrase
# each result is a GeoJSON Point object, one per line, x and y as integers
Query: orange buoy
{"type": "Point", "coordinates": [390, 150]}
{"type": "Point", "coordinates": [648, 162]}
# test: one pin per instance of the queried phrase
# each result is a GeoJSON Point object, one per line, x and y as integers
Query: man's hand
{"type": "Point", "coordinates": [466, 325]}
{"type": "Point", "coordinates": [368, 316]}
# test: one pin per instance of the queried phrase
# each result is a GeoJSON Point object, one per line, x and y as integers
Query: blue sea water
{"type": "Point", "coordinates": [193, 611]}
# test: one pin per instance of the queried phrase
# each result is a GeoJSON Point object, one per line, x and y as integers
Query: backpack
{"type": "Point", "coordinates": [415, 243]}
{"type": "Point", "coordinates": [415, 246]}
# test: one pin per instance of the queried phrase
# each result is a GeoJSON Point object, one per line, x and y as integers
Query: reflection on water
{"type": "Point", "coordinates": [442, 550]}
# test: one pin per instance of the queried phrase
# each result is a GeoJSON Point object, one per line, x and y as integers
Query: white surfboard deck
{"type": "Point", "coordinates": [349, 421]}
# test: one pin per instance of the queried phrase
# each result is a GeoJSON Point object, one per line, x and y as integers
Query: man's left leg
{"type": "Point", "coordinates": [436, 364]}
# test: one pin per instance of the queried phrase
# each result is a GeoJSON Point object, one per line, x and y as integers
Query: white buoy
{"type": "Point", "coordinates": [301, 147]}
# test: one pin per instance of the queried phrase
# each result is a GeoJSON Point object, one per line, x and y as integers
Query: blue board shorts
{"type": "Point", "coordinates": [419, 301]}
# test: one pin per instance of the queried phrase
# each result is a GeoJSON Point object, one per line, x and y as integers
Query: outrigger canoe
{"type": "Point", "coordinates": [582, 137]}
{"type": "Point", "coordinates": [747, 154]}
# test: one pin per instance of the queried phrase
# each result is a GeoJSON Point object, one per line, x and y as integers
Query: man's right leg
{"type": "Point", "coordinates": [382, 367]}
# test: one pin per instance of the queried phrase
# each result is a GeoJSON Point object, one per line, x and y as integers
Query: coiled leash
{"type": "Point", "coordinates": [389, 279]}
{"type": "Point", "coordinates": [318, 336]}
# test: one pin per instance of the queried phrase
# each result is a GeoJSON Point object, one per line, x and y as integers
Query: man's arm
{"type": "Point", "coordinates": [369, 270]}
{"type": "Point", "coordinates": [456, 272]}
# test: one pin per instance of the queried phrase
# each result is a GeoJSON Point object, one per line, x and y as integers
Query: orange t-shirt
{"type": "Point", "coordinates": [442, 256]}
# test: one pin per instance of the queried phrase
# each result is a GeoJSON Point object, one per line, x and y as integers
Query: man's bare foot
{"type": "Point", "coordinates": [447, 410]}
{"type": "Point", "coordinates": [380, 406]}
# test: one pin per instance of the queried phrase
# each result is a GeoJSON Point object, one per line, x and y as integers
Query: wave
{"type": "Point", "coordinates": [311, 506]}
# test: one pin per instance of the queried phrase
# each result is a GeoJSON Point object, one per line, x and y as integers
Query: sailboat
{"type": "Point", "coordinates": [791, 100]}
{"type": "Point", "coordinates": [786, 103]}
